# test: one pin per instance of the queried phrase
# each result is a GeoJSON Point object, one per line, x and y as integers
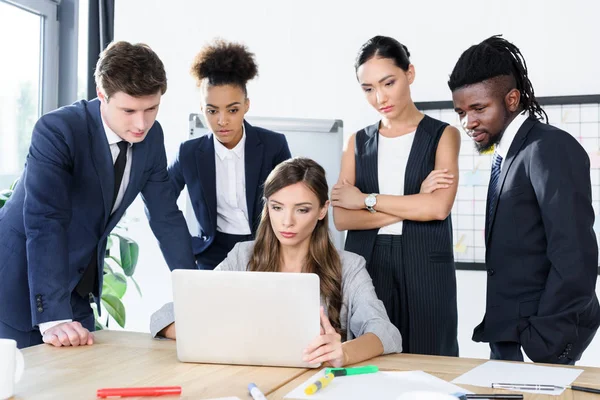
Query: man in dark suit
{"type": "Point", "coordinates": [541, 250]}
{"type": "Point", "coordinates": [86, 164]}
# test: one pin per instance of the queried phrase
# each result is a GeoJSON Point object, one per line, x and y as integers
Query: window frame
{"type": "Point", "coordinates": [49, 84]}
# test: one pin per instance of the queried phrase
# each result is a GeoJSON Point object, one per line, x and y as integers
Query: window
{"type": "Point", "coordinates": [28, 77]}
{"type": "Point", "coordinates": [82, 61]}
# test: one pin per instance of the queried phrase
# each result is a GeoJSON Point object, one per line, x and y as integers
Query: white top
{"type": "Point", "coordinates": [509, 135]}
{"type": "Point", "coordinates": [392, 157]}
{"type": "Point", "coordinates": [113, 139]}
{"type": "Point", "coordinates": [232, 210]}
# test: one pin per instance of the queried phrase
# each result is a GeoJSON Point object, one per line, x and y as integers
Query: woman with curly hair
{"type": "Point", "coordinates": [224, 170]}
{"type": "Point", "coordinates": [293, 236]}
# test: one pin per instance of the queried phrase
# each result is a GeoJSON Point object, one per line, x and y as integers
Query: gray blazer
{"type": "Point", "coordinates": [361, 312]}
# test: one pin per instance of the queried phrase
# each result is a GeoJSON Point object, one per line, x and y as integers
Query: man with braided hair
{"type": "Point", "coordinates": [541, 250]}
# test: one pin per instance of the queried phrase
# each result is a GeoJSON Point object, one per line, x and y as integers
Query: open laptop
{"type": "Point", "coordinates": [251, 318]}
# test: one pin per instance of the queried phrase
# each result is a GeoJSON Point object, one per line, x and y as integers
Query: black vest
{"type": "Point", "coordinates": [428, 257]}
{"type": "Point", "coordinates": [421, 240]}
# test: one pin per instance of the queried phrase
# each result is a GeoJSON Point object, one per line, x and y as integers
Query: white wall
{"type": "Point", "coordinates": [305, 51]}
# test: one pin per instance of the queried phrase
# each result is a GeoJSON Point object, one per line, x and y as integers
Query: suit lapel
{"type": "Point", "coordinates": [139, 153]}
{"type": "Point", "coordinates": [415, 157]}
{"type": "Point", "coordinates": [101, 155]}
{"type": "Point", "coordinates": [514, 149]}
{"type": "Point", "coordinates": [253, 156]}
{"type": "Point", "coordinates": [138, 161]}
{"type": "Point", "coordinates": [205, 163]}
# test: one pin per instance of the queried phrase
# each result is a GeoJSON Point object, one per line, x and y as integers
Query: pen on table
{"type": "Point", "coordinates": [255, 392]}
{"type": "Point", "coordinates": [541, 387]}
{"type": "Point", "coordinates": [319, 384]}
{"type": "Point", "coordinates": [489, 396]}
{"type": "Point", "coordinates": [367, 369]}
{"type": "Point", "coordinates": [138, 391]}
{"type": "Point", "coordinates": [584, 389]}
{"type": "Point", "coordinates": [525, 386]}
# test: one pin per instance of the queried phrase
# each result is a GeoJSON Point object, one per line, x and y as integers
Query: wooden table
{"type": "Point", "coordinates": [125, 359]}
{"type": "Point", "coordinates": [449, 368]}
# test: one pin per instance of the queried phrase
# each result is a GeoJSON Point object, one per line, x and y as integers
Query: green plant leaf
{"type": "Point", "coordinates": [97, 324]}
{"type": "Point", "coordinates": [114, 284]}
{"type": "Point", "coordinates": [109, 242]}
{"type": "Point", "coordinates": [129, 250]}
{"type": "Point", "coordinates": [115, 308]}
{"type": "Point", "coordinates": [4, 196]}
{"type": "Point", "coordinates": [115, 259]}
{"type": "Point", "coordinates": [136, 285]}
{"type": "Point", "coordinates": [108, 269]}
{"type": "Point", "coordinates": [14, 184]}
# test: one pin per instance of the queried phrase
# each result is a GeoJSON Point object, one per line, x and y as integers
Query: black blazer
{"type": "Point", "coordinates": [542, 254]}
{"type": "Point", "coordinates": [195, 167]}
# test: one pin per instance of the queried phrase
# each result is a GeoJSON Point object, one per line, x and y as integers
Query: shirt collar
{"type": "Point", "coordinates": [238, 150]}
{"type": "Point", "coordinates": [111, 136]}
{"type": "Point", "coordinates": [509, 134]}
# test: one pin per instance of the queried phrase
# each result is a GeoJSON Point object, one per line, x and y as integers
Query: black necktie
{"type": "Point", "coordinates": [492, 197]}
{"type": "Point", "coordinates": [119, 169]}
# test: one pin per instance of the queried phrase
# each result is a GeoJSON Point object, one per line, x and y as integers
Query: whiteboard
{"type": "Point", "coordinates": [579, 116]}
{"type": "Point", "coordinates": [319, 139]}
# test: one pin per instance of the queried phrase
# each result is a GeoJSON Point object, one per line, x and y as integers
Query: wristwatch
{"type": "Point", "coordinates": [370, 202]}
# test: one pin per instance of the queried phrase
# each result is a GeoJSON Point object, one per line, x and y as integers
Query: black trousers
{"type": "Point", "coordinates": [387, 272]}
{"type": "Point", "coordinates": [424, 317]}
{"type": "Point", "coordinates": [218, 250]}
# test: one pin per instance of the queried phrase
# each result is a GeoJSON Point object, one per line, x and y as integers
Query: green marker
{"type": "Point", "coordinates": [367, 369]}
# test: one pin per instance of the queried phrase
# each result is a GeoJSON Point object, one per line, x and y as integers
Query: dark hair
{"type": "Point", "coordinates": [224, 63]}
{"type": "Point", "coordinates": [492, 58]}
{"type": "Point", "coordinates": [130, 68]}
{"type": "Point", "coordinates": [383, 47]}
{"type": "Point", "coordinates": [323, 258]}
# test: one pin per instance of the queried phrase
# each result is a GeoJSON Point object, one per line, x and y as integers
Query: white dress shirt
{"type": "Point", "coordinates": [113, 139]}
{"type": "Point", "coordinates": [509, 134]}
{"type": "Point", "coordinates": [392, 159]}
{"type": "Point", "coordinates": [232, 209]}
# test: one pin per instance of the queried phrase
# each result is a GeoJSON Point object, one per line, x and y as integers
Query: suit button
{"type": "Point", "coordinates": [40, 309]}
{"type": "Point", "coordinates": [491, 272]}
{"type": "Point", "coordinates": [38, 297]}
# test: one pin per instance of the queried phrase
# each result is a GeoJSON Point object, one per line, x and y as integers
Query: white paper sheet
{"type": "Point", "coordinates": [380, 385]}
{"type": "Point", "coordinates": [503, 372]}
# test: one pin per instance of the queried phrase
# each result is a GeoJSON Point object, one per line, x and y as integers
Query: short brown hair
{"type": "Point", "coordinates": [134, 69]}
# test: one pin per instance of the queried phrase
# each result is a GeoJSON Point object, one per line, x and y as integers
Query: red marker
{"type": "Point", "coordinates": [139, 391]}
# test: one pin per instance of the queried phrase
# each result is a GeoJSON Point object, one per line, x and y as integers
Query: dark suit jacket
{"type": "Point", "coordinates": [59, 215]}
{"type": "Point", "coordinates": [195, 167]}
{"type": "Point", "coordinates": [542, 254]}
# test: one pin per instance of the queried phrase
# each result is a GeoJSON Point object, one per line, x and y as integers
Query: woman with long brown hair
{"type": "Point", "coordinates": [293, 236]}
